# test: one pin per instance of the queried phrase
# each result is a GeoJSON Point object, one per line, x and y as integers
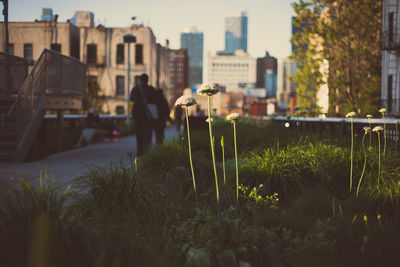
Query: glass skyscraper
{"type": "Point", "coordinates": [236, 32]}
{"type": "Point", "coordinates": [192, 40]}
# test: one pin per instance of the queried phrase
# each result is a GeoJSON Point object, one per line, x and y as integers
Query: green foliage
{"type": "Point", "coordinates": [344, 35]}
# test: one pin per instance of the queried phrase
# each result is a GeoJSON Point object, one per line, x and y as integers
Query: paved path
{"type": "Point", "coordinates": [66, 166]}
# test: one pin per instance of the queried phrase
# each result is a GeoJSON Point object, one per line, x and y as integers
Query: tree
{"type": "Point", "coordinates": [350, 33]}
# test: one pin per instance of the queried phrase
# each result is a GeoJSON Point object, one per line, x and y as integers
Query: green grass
{"type": "Point", "coordinates": [117, 216]}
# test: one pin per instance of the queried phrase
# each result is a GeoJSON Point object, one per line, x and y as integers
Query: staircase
{"type": "Point", "coordinates": [8, 135]}
{"type": "Point", "coordinates": [23, 106]}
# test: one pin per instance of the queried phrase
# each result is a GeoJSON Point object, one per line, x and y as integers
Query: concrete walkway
{"type": "Point", "coordinates": [66, 166]}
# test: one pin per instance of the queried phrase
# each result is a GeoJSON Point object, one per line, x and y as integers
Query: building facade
{"type": "Point", "coordinates": [286, 93]}
{"type": "Point", "coordinates": [178, 73]}
{"type": "Point", "coordinates": [390, 91]}
{"type": "Point", "coordinates": [192, 40]}
{"type": "Point", "coordinates": [102, 49]}
{"type": "Point", "coordinates": [28, 39]}
{"type": "Point", "coordinates": [236, 32]}
{"type": "Point", "coordinates": [235, 72]}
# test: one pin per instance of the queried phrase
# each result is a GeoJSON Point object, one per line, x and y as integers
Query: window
{"type": "Point", "coordinates": [391, 24]}
{"type": "Point", "coordinates": [120, 110]}
{"type": "Point", "coordinates": [28, 51]}
{"type": "Point", "coordinates": [120, 53]}
{"type": "Point", "coordinates": [137, 78]}
{"type": "Point", "coordinates": [120, 81]}
{"type": "Point", "coordinates": [56, 47]}
{"type": "Point", "coordinates": [91, 54]}
{"type": "Point", "coordinates": [139, 54]}
{"type": "Point", "coordinates": [11, 49]}
{"type": "Point", "coordinates": [389, 93]}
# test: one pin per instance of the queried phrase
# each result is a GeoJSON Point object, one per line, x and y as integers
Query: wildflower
{"type": "Point", "coordinates": [366, 131]}
{"type": "Point", "coordinates": [209, 89]}
{"type": "Point", "coordinates": [377, 129]}
{"type": "Point", "coordinates": [351, 115]}
{"type": "Point", "coordinates": [209, 119]}
{"type": "Point", "coordinates": [233, 117]}
{"type": "Point", "coordinates": [365, 218]}
{"type": "Point", "coordinates": [396, 123]}
{"type": "Point", "coordinates": [382, 110]}
{"type": "Point", "coordinates": [185, 101]}
{"type": "Point", "coordinates": [369, 116]}
{"type": "Point", "coordinates": [379, 217]}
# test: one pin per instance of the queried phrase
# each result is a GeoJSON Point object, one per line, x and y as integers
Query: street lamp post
{"type": "Point", "coordinates": [128, 38]}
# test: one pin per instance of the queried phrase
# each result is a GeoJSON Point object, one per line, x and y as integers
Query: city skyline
{"type": "Point", "coordinates": [272, 17]}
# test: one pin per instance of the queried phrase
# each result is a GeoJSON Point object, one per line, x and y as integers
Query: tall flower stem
{"type": "Point", "coordinates": [223, 158]}
{"type": "Point", "coordinates": [237, 169]}
{"type": "Point", "coordinates": [384, 133]}
{"type": "Point", "coordinates": [365, 163]}
{"type": "Point", "coordinates": [370, 133]}
{"type": "Point", "coordinates": [351, 155]}
{"type": "Point", "coordinates": [212, 152]}
{"type": "Point", "coordinates": [379, 157]}
{"type": "Point", "coordinates": [396, 137]}
{"type": "Point", "coordinates": [190, 152]}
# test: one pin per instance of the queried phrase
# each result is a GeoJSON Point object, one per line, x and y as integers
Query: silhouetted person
{"type": "Point", "coordinates": [178, 117]}
{"type": "Point", "coordinates": [94, 121]}
{"type": "Point", "coordinates": [163, 116]}
{"type": "Point", "coordinates": [142, 95]}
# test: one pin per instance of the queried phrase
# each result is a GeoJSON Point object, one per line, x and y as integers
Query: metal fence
{"type": "Point", "coordinates": [337, 126]}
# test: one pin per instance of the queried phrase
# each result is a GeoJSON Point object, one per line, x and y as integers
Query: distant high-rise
{"type": "Point", "coordinates": [236, 32]}
{"type": "Point", "coordinates": [286, 88]}
{"type": "Point", "coordinates": [192, 40]}
{"type": "Point", "coordinates": [265, 63]}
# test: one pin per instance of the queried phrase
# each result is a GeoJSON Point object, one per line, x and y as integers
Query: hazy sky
{"type": "Point", "coordinates": [269, 21]}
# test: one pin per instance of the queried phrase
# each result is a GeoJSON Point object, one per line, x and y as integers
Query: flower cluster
{"type": "Point", "coordinates": [377, 129]}
{"type": "Point", "coordinates": [351, 115]}
{"type": "Point", "coordinates": [382, 110]}
{"type": "Point", "coordinates": [185, 101]}
{"type": "Point", "coordinates": [367, 129]}
{"type": "Point", "coordinates": [209, 89]}
{"type": "Point", "coordinates": [233, 117]}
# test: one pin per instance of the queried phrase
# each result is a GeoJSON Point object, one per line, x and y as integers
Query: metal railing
{"type": "Point", "coordinates": [13, 72]}
{"type": "Point", "coordinates": [52, 74]}
{"type": "Point", "coordinates": [337, 126]}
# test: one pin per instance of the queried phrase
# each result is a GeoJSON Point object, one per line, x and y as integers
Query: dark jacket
{"type": "Point", "coordinates": [139, 110]}
{"type": "Point", "coordinates": [162, 107]}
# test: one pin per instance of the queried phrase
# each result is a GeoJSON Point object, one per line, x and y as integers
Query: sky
{"type": "Point", "coordinates": [269, 21]}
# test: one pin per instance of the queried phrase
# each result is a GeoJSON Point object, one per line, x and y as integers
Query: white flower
{"type": "Point", "coordinates": [185, 101]}
{"type": "Point", "coordinates": [366, 129]}
{"type": "Point", "coordinates": [377, 129]}
{"type": "Point", "coordinates": [396, 122]}
{"type": "Point", "coordinates": [351, 115]}
{"type": "Point", "coordinates": [209, 89]}
{"type": "Point", "coordinates": [369, 116]}
{"type": "Point", "coordinates": [382, 110]}
{"type": "Point", "coordinates": [233, 117]}
{"type": "Point", "coordinates": [207, 120]}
